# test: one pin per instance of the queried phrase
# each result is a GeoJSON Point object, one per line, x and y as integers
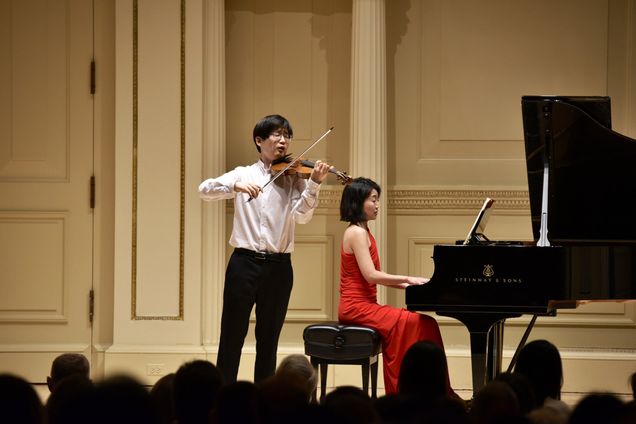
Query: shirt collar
{"type": "Point", "coordinates": [262, 167]}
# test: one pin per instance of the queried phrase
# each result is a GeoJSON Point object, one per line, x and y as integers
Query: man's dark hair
{"type": "Point", "coordinates": [353, 197]}
{"type": "Point", "coordinates": [196, 385]}
{"type": "Point", "coordinates": [268, 125]}
{"type": "Point", "coordinates": [66, 365]}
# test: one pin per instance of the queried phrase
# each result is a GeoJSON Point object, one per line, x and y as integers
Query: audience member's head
{"type": "Point", "coordinates": [65, 365]}
{"type": "Point", "coordinates": [629, 416]}
{"type": "Point", "coordinates": [196, 385]}
{"type": "Point", "coordinates": [124, 400]}
{"type": "Point", "coordinates": [496, 402]}
{"type": "Point", "coordinates": [162, 397]}
{"type": "Point", "coordinates": [632, 382]}
{"type": "Point", "coordinates": [351, 405]}
{"type": "Point", "coordinates": [281, 399]}
{"type": "Point", "coordinates": [237, 403]}
{"type": "Point", "coordinates": [445, 410]}
{"type": "Point", "coordinates": [73, 399]}
{"type": "Point", "coordinates": [523, 390]}
{"type": "Point", "coordinates": [297, 367]}
{"type": "Point", "coordinates": [598, 408]}
{"type": "Point", "coordinates": [19, 403]}
{"type": "Point", "coordinates": [391, 408]}
{"type": "Point", "coordinates": [540, 362]}
{"type": "Point", "coordinates": [424, 372]}
{"type": "Point", "coordinates": [544, 415]}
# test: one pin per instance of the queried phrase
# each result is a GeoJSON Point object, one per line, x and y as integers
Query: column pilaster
{"type": "Point", "coordinates": [214, 240]}
{"type": "Point", "coordinates": [368, 149]}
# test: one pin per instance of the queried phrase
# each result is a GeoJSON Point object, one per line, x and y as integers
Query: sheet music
{"type": "Point", "coordinates": [476, 232]}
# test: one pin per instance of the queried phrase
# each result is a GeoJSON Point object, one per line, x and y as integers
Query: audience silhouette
{"type": "Point", "coordinates": [523, 390]}
{"type": "Point", "coordinates": [496, 402]}
{"type": "Point", "coordinates": [196, 394]}
{"type": "Point", "coordinates": [65, 365]}
{"type": "Point", "coordinates": [19, 403]}
{"type": "Point", "coordinates": [196, 385]}
{"type": "Point", "coordinates": [124, 400]}
{"type": "Point", "coordinates": [297, 368]}
{"type": "Point", "coordinates": [237, 403]}
{"type": "Point", "coordinates": [424, 372]}
{"type": "Point", "coordinates": [162, 397]}
{"type": "Point", "coordinates": [598, 408]}
{"type": "Point", "coordinates": [351, 405]}
{"type": "Point", "coordinates": [540, 362]}
{"type": "Point", "coordinates": [72, 401]}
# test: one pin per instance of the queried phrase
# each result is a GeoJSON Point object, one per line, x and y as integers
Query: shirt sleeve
{"type": "Point", "coordinates": [219, 188]}
{"type": "Point", "coordinates": [304, 206]}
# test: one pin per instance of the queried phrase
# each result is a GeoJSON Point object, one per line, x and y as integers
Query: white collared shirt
{"type": "Point", "coordinates": [267, 222]}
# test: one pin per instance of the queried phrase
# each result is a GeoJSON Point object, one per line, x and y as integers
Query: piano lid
{"type": "Point", "coordinates": [592, 170]}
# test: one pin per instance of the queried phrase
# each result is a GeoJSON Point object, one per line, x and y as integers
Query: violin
{"type": "Point", "coordinates": [287, 163]}
{"type": "Point", "coordinates": [303, 168]}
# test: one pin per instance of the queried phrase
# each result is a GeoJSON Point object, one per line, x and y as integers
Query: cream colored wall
{"type": "Point", "coordinates": [292, 58]}
{"type": "Point", "coordinates": [157, 270]}
{"type": "Point", "coordinates": [104, 224]}
{"type": "Point", "coordinates": [50, 119]}
{"type": "Point", "coordinates": [455, 74]}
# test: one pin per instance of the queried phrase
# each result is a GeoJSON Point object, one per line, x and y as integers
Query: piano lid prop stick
{"type": "Point", "coordinates": [543, 238]}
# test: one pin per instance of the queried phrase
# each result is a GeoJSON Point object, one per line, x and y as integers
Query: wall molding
{"type": "Point", "coordinates": [134, 315]}
{"type": "Point", "coordinates": [409, 200]}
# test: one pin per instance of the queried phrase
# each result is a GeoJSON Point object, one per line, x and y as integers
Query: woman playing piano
{"type": "Point", "coordinates": [360, 273]}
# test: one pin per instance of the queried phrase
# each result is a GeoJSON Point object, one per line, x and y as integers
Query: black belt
{"type": "Point", "coordinates": [272, 256]}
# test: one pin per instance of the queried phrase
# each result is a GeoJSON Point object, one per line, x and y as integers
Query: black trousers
{"type": "Point", "coordinates": [251, 279]}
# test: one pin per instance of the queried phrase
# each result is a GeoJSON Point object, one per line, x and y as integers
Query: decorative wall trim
{"type": "Point", "coordinates": [313, 265]}
{"type": "Point", "coordinates": [135, 137]}
{"type": "Point", "coordinates": [44, 347]}
{"type": "Point", "coordinates": [150, 349]}
{"type": "Point", "coordinates": [405, 200]}
{"type": "Point", "coordinates": [27, 312]}
{"type": "Point", "coordinates": [409, 201]}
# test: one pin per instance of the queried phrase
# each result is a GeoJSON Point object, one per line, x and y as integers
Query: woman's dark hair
{"type": "Point", "coordinates": [268, 125]}
{"type": "Point", "coordinates": [540, 362]}
{"type": "Point", "coordinates": [424, 371]}
{"type": "Point", "coordinates": [353, 197]}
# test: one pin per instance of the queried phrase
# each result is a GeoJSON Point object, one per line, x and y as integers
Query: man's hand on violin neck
{"type": "Point", "coordinates": [252, 189]}
{"type": "Point", "coordinates": [321, 169]}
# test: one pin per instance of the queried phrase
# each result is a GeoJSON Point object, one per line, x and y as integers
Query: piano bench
{"type": "Point", "coordinates": [334, 343]}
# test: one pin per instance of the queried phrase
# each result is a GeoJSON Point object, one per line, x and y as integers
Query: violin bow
{"type": "Point", "coordinates": [282, 171]}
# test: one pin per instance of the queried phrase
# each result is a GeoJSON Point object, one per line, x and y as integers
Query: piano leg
{"type": "Point", "coordinates": [495, 350]}
{"type": "Point", "coordinates": [479, 358]}
{"type": "Point", "coordinates": [479, 326]}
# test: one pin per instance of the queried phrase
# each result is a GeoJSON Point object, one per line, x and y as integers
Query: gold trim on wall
{"type": "Point", "coordinates": [406, 201]}
{"type": "Point", "coordinates": [415, 201]}
{"type": "Point", "coordinates": [135, 152]}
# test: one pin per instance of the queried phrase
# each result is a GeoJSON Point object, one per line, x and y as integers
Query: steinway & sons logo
{"type": "Point", "coordinates": [488, 271]}
{"type": "Point", "coordinates": [488, 276]}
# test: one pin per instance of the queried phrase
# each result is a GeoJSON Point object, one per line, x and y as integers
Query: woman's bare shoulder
{"type": "Point", "coordinates": [355, 231]}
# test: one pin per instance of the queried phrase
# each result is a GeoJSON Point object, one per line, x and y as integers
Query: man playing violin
{"type": "Point", "coordinates": [259, 271]}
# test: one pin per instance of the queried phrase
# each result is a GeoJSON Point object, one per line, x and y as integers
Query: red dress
{"type": "Point", "coordinates": [398, 327]}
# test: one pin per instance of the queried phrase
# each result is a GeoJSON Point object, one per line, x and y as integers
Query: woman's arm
{"type": "Point", "coordinates": [356, 241]}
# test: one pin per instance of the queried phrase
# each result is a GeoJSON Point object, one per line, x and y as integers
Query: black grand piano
{"type": "Point", "coordinates": [582, 186]}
